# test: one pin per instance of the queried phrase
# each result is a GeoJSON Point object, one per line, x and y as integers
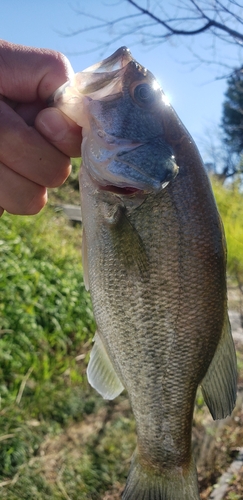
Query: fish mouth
{"type": "Point", "coordinates": [129, 165]}
{"type": "Point", "coordinates": [102, 79]}
{"type": "Point", "coordinates": [122, 191]}
{"type": "Point", "coordinates": [119, 59]}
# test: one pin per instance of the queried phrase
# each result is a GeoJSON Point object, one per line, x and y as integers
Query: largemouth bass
{"type": "Point", "coordinates": [154, 259]}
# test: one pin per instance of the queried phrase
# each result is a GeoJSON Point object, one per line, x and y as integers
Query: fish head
{"type": "Point", "coordinates": [120, 105]}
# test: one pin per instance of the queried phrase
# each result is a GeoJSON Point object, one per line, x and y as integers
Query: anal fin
{"type": "Point", "coordinates": [100, 372]}
{"type": "Point", "coordinates": [219, 385]}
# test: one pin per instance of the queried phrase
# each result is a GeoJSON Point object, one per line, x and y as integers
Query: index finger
{"type": "Point", "coordinates": [28, 74]}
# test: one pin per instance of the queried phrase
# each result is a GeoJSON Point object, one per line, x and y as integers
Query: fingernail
{"type": "Point", "coordinates": [51, 123]}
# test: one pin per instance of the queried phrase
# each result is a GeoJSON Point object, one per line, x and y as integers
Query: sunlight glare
{"type": "Point", "coordinates": [165, 100]}
{"type": "Point", "coordinates": [156, 85]}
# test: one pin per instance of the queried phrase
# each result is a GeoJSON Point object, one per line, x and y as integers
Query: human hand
{"type": "Point", "coordinates": [35, 142]}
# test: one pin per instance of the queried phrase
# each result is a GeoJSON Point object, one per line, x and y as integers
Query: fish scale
{"type": "Point", "coordinates": [154, 259]}
{"type": "Point", "coordinates": [118, 305]}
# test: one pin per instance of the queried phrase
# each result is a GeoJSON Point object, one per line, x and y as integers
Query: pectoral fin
{"type": "Point", "coordinates": [219, 385]}
{"type": "Point", "coordinates": [129, 246]}
{"type": "Point", "coordinates": [101, 374]}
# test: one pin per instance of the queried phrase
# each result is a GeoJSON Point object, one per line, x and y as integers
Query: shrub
{"type": "Point", "coordinates": [45, 312]}
{"type": "Point", "coordinates": [230, 204]}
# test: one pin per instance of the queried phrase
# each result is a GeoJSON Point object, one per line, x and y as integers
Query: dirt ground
{"type": "Point", "coordinates": [215, 450]}
{"type": "Point", "coordinates": [216, 445]}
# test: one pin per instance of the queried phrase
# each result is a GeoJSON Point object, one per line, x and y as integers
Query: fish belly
{"type": "Point", "coordinates": [158, 294]}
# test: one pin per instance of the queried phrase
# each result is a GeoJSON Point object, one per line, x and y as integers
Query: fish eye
{"type": "Point", "coordinates": [144, 94]}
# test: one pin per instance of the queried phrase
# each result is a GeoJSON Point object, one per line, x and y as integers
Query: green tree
{"type": "Point", "coordinates": [224, 149]}
{"type": "Point", "coordinates": [232, 121]}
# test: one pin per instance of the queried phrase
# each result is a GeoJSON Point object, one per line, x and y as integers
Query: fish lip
{"type": "Point", "coordinates": [118, 60]}
{"type": "Point", "coordinates": [127, 191]}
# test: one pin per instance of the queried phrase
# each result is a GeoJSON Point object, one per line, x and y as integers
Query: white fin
{"type": "Point", "coordinates": [100, 372]}
{"type": "Point", "coordinates": [85, 261]}
{"type": "Point", "coordinates": [219, 385]}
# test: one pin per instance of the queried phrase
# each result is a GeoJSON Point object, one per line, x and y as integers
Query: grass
{"type": "Point", "coordinates": [230, 204]}
{"type": "Point", "coordinates": [46, 322]}
{"type": "Point", "coordinates": [58, 438]}
{"type": "Point", "coordinates": [46, 331]}
{"type": "Point", "coordinates": [45, 313]}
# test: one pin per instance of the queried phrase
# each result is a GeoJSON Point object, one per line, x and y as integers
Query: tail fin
{"type": "Point", "coordinates": [171, 484]}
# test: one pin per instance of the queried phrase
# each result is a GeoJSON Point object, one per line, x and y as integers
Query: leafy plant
{"type": "Point", "coordinates": [230, 203]}
{"type": "Point", "coordinates": [45, 312]}
{"type": "Point", "coordinates": [46, 329]}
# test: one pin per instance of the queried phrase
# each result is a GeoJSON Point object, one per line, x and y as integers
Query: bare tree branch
{"type": "Point", "coordinates": [104, 23]}
{"type": "Point", "coordinates": [167, 26]}
{"type": "Point", "coordinates": [209, 24]}
{"type": "Point", "coordinates": [153, 22]}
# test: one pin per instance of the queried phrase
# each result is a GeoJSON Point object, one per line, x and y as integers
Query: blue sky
{"type": "Point", "coordinates": [196, 95]}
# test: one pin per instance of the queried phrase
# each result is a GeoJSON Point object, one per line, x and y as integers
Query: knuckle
{"type": "Point", "coordinates": [59, 174]}
{"type": "Point", "coordinates": [34, 203]}
{"type": "Point", "coordinates": [57, 71]}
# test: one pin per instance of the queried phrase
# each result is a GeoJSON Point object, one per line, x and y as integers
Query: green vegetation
{"type": "Point", "coordinates": [58, 438]}
{"type": "Point", "coordinates": [45, 313]}
{"type": "Point", "coordinates": [230, 204]}
{"type": "Point", "coordinates": [46, 331]}
{"type": "Point", "coordinates": [232, 119]}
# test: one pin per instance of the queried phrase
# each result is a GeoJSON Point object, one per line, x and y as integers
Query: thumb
{"type": "Point", "coordinates": [59, 130]}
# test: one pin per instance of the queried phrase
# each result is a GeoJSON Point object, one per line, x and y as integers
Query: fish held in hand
{"type": "Point", "coordinates": [154, 260]}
